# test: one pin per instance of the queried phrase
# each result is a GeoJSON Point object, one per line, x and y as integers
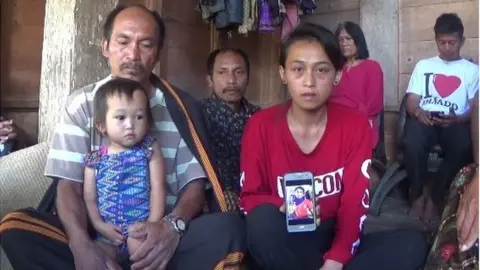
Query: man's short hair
{"type": "Point", "coordinates": [108, 25]}
{"type": "Point", "coordinates": [448, 23]}
{"type": "Point", "coordinates": [212, 57]}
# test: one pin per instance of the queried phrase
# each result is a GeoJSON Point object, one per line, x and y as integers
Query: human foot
{"type": "Point", "coordinates": [432, 214]}
{"type": "Point", "coordinates": [417, 207]}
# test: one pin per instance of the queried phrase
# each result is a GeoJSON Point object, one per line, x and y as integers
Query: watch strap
{"type": "Point", "coordinates": [173, 220]}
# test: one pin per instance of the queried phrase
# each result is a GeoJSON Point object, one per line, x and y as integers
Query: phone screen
{"type": "Point", "coordinates": [300, 203]}
{"type": "Point", "coordinates": [438, 114]}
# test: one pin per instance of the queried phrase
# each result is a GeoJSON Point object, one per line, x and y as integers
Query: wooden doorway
{"type": "Point", "coordinates": [21, 57]}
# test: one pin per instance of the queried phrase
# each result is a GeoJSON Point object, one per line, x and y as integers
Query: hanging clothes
{"type": "Point", "coordinates": [250, 17]}
{"type": "Point", "coordinates": [226, 13]}
{"type": "Point", "coordinates": [282, 11]}
{"type": "Point", "coordinates": [275, 12]}
{"type": "Point", "coordinates": [231, 16]}
{"type": "Point", "coordinates": [266, 20]}
{"type": "Point", "coordinates": [291, 20]}
{"type": "Point", "coordinates": [306, 6]}
{"type": "Point", "coordinates": [209, 8]}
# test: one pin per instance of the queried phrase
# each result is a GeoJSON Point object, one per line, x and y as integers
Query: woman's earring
{"type": "Point", "coordinates": [337, 76]}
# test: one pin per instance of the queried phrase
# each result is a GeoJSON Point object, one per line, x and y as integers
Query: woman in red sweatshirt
{"type": "Point", "coordinates": [333, 142]}
{"type": "Point", "coordinates": [360, 81]}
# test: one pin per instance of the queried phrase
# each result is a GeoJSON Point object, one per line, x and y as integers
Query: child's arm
{"type": "Point", "coordinates": [90, 197]}
{"type": "Point", "coordinates": [158, 193]}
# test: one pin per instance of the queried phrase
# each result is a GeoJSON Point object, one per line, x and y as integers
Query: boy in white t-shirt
{"type": "Point", "coordinates": [440, 95]}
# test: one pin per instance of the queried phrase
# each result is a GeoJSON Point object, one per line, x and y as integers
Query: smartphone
{"type": "Point", "coordinates": [299, 196]}
{"type": "Point", "coordinates": [438, 114]}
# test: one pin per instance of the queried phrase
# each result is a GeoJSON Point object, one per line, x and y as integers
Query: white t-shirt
{"type": "Point", "coordinates": [443, 84]}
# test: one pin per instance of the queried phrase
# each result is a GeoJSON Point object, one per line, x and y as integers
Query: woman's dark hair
{"type": "Point", "coordinates": [355, 31]}
{"type": "Point", "coordinates": [448, 23]}
{"type": "Point", "coordinates": [300, 188]}
{"type": "Point", "coordinates": [117, 86]}
{"type": "Point", "coordinates": [316, 33]}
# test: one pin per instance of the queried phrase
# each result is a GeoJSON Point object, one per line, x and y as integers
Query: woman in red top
{"type": "Point", "coordinates": [360, 82]}
{"type": "Point", "coordinates": [331, 141]}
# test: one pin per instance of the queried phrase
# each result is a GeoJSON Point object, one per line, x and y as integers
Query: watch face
{"type": "Point", "coordinates": [181, 225]}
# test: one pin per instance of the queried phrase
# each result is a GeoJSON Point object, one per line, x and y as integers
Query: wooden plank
{"type": "Point", "coordinates": [183, 58]}
{"type": "Point", "coordinates": [20, 103]}
{"type": "Point", "coordinates": [382, 40]}
{"type": "Point", "coordinates": [403, 81]}
{"type": "Point", "coordinates": [329, 6]}
{"type": "Point", "coordinates": [390, 126]}
{"type": "Point", "coordinates": [21, 48]}
{"type": "Point", "coordinates": [412, 52]}
{"type": "Point", "coordinates": [416, 23]}
{"type": "Point", "coordinates": [71, 57]}
{"type": "Point", "coordinates": [415, 3]}
{"type": "Point", "coordinates": [331, 20]}
{"type": "Point", "coordinates": [271, 92]}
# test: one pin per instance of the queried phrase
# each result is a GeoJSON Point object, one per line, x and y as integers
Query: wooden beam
{"type": "Point", "coordinates": [417, 22]}
{"type": "Point", "coordinates": [71, 56]}
{"type": "Point", "coordinates": [382, 40]}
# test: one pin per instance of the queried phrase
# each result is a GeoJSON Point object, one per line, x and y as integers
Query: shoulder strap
{"type": "Point", "coordinates": [204, 159]}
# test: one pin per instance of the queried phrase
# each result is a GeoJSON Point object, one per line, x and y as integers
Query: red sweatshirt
{"type": "Point", "coordinates": [339, 164]}
{"type": "Point", "coordinates": [361, 87]}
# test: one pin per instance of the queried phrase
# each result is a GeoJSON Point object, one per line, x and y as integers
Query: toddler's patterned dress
{"type": "Point", "coordinates": [123, 185]}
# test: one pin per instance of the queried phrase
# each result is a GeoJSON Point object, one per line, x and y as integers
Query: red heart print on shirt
{"type": "Point", "coordinates": [446, 85]}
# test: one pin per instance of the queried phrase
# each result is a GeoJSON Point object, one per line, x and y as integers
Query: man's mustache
{"type": "Point", "coordinates": [235, 89]}
{"type": "Point", "coordinates": [131, 65]}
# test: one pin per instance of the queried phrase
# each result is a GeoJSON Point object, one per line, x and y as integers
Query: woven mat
{"type": "Point", "coordinates": [22, 183]}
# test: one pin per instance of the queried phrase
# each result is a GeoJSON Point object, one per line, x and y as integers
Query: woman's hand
{"type": "Point", "coordinates": [331, 265]}
{"type": "Point", "coordinates": [467, 215]}
{"type": "Point", "coordinates": [317, 209]}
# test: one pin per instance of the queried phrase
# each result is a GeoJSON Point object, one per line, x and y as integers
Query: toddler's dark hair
{"type": "Point", "coordinates": [117, 86]}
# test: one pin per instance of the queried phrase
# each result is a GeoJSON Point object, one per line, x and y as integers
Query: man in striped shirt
{"type": "Point", "coordinates": [133, 37]}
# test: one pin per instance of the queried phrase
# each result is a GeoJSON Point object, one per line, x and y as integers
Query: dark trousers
{"type": "Point", "coordinates": [35, 241]}
{"type": "Point", "coordinates": [271, 247]}
{"type": "Point", "coordinates": [455, 141]}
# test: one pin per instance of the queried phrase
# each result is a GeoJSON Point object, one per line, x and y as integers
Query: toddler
{"type": "Point", "coordinates": [124, 179]}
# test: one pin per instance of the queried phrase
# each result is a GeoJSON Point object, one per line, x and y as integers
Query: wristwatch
{"type": "Point", "coordinates": [177, 223]}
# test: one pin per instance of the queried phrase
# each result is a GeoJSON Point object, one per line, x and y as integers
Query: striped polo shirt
{"type": "Point", "coordinates": [76, 135]}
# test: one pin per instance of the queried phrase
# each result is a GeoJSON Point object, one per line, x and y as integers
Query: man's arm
{"type": "Point", "coordinates": [71, 211]}
{"type": "Point", "coordinates": [191, 201]}
{"type": "Point", "coordinates": [65, 162]}
{"type": "Point", "coordinates": [415, 91]}
{"type": "Point", "coordinates": [413, 104]}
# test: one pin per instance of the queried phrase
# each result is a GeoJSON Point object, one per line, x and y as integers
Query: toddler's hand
{"type": "Point", "coordinates": [111, 232]}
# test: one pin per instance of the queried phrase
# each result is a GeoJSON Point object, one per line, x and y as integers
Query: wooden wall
{"type": "Point", "coordinates": [330, 13]}
{"type": "Point", "coordinates": [21, 40]}
{"type": "Point", "coordinates": [416, 40]}
{"type": "Point", "coordinates": [265, 86]}
{"type": "Point", "coordinates": [189, 40]}
{"type": "Point", "coordinates": [187, 45]}
{"type": "Point", "coordinates": [417, 18]}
